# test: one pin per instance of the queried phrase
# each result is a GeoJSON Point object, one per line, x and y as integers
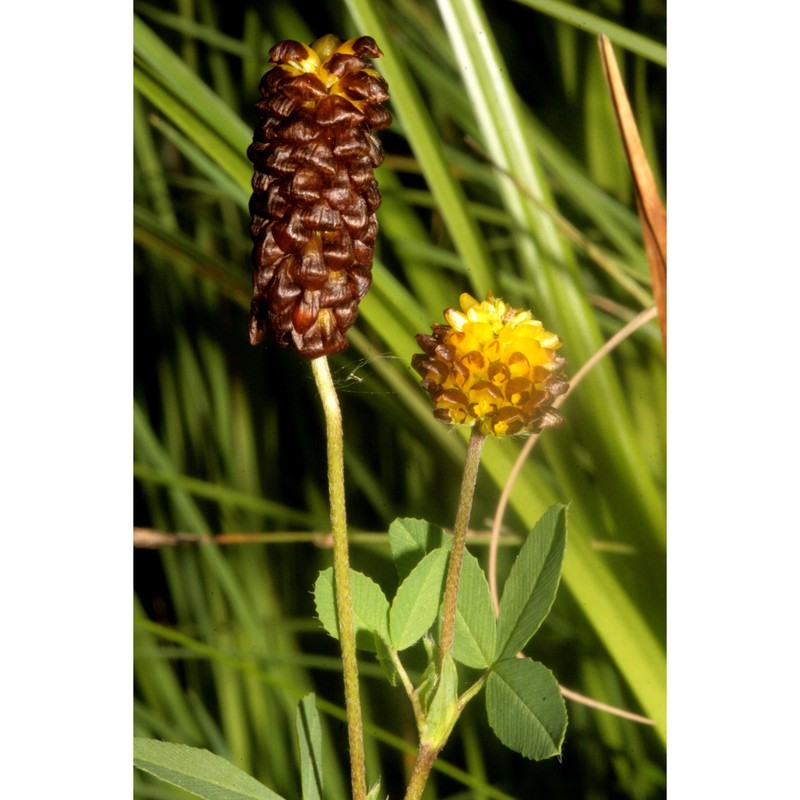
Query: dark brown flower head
{"type": "Point", "coordinates": [314, 192]}
{"type": "Point", "coordinates": [492, 366]}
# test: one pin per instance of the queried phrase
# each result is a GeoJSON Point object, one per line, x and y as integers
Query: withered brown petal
{"type": "Point", "coordinates": [306, 185]}
{"type": "Point", "coordinates": [267, 253]}
{"type": "Point", "coordinates": [361, 86]}
{"type": "Point", "coordinates": [375, 149]}
{"type": "Point", "coordinates": [453, 397]}
{"type": "Point", "coordinates": [356, 217]}
{"type": "Point", "coordinates": [286, 51]}
{"type": "Point", "coordinates": [426, 342]}
{"type": "Point", "coordinates": [335, 110]}
{"type": "Point", "coordinates": [341, 64]}
{"type": "Point", "coordinates": [310, 271]}
{"type": "Point", "coordinates": [366, 47]}
{"type": "Point", "coordinates": [304, 87]}
{"type": "Point", "coordinates": [279, 161]}
{"type": "Point", "coordinates": [350, 143]}
{"type": "Point", "coordinates": [321, 217]}
{"type": "Point", "coordinates": [305, 313]}
{"type": "Point", "coordinates": [370, 234]}
{"type": "Point", "coordinates": [361, 174]}
{"type": "Point", "coordinates": [338, 249]}
{"type": "Point", "coordinates": [336, 292]}
{"type": "Point", "coordinates": [290, 234]}
{"type": "Point", "coordinates": [362, 253]}
{"type": "Point", "coordinates": [277, 204]}
{"type": "Point", "coordinates": [300, 128]}
{"type": "Point", "coordinates": [339, 193]}
{"type": "Point", "coordinates": [317, 154]}
{"type": "Point", "coordinates": [377, 117]}
{"type": "Point", "coordinates": [280, 105]}
{"type": "Point", "coordinates": [283, 292]}
{"type": "Point", "coordinates": [372, 197]}
{"type": "Point", "coordinates": [361, 280]}
{"type": "Point", "coordinates": [259, 314]}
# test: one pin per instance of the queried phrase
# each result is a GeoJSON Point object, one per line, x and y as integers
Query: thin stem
{"type": "Point", "coordinates": [472, 691]}
{"type": "Point", "coordinates": [409, 687]}
{"type": "Point", "coordinates": [427, 752]}
{"type": "Point", "coordinates": [459, 541]}
{"type": "Point", "coordinates": [341, 573]}
{"type": "Point", "coordinates": [422, 769]}
{"type": "Point", "coordinates": [617, 712]}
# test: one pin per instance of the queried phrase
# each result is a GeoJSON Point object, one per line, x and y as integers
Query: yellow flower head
{"type": "Point", "coordinates": [493, 366]}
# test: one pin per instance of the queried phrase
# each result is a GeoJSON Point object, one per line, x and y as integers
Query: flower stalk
{"type": "Point", "coordinates": [341, 573]}
{"type": "Point", "coordinates": [495, 369]}
{"type": "Point", "coordinates": [313, 224]}
{"type": "Point", "coordinates": [466, 495]}
{"type": "Point", "coordinates": [429, 750]}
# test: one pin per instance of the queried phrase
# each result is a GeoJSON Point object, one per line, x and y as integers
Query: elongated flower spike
{"type": "Point", "coordinates": [492, 366]}
{"type": "Point", "coordinates": [314, 197]}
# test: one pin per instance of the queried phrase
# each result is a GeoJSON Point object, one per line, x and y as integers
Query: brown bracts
{"type": "Point", "coordinates": [314, 192]}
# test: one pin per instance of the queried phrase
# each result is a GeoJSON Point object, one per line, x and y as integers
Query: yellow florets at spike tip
{"type": "Point", "coordinates": [493, 366]}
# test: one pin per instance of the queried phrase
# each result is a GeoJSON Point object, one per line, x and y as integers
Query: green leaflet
{"type": "Point", "coordinates": [417, 600]}
{"type": "Point", "coordinates": [370, 608]}
{"type": "Point", "coordinates": [531, 587]}
{"type": "Point", "coordinates": [411, 539]}
{"type": "Point", "coordinates": [525, 708]}
{"type": "Point", "coordinates": [475, 634]}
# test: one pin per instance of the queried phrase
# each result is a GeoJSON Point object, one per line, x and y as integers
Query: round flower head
{"type": "Point", "coordinates": [492, 366]}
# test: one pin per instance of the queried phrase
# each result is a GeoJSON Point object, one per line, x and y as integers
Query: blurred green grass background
{"type": "Point", "coordinates": [229, 438]}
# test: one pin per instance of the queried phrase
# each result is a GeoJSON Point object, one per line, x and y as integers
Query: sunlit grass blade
{"type": "Point", "coordinates": [200, 772]}
{"type": "Point", "coordinates": [309, 735]}
{"type": "Point", "coordinates": [220, 180]}
{"type": "Point", "coordinates": [184, 83]}
{"type": "Point", "coordinates": [408, 105]}
{"type": "Point", "coordinates": [592, 23]}
{"type": "Point", "coordinates": [202, 33]}
{"type": "Point", "coordinates": [498, 112]}
{"type": "Point", "coordinates": [178, 249]}
{"type": "Point", "coordinates": [223, 494]}
{"type": "Point", "coordinates": [227, 157]}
